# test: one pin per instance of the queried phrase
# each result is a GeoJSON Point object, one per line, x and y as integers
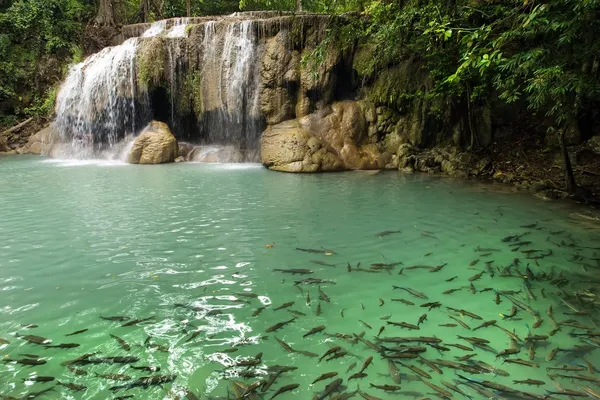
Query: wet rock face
{"type": "Point", "coordinates": [43, 142]}
{"type": "Point", "coordinates": [155, 145]}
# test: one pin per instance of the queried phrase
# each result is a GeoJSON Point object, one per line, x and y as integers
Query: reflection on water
{"type": "Point", "coordinates": [193, 248]}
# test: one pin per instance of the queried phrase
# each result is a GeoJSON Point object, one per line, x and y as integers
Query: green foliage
{"type": "Point", "coordinates": [150, 62]}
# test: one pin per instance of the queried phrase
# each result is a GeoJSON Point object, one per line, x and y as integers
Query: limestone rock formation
{"type": "Point", "coordinates": [43, 142]}
{"type": "Point", "coordinates": [155, 145]}
{"type": "Point", "coordinates": [3, 145]}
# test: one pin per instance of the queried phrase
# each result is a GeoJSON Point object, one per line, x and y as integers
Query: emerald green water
{"type": "Point", "coordinates": [177, 242]}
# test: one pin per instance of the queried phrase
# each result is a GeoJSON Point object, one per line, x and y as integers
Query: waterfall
{"type": "Point", "coordinates": [100, 102]}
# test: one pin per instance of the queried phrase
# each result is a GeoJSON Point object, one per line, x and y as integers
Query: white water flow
{"type": "Point", "coordinates": [178, 28]}
{"type": "Point", "coordinates": [100, 101]}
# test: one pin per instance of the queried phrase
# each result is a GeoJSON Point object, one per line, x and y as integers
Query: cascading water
{"type": "Point", "coordinates": [101, 101]}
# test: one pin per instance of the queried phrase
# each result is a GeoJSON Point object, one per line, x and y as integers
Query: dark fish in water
{"type": "Point", "coordinates": [77, 332]}
{"type": "Point", "coordinates": [34, 339]}
{"type": "Point", "coordinates": [331, 388]}
{"type": "Point", "coordinates": [285, 305]}
{"type": "Point", "coordinates": [431, 305]}
{"type": "Point", "coordinates": [394, 371]}
{"type": "Point", "coordinates": [313, 281]}
{"type": "Point", "coordinates": [249, 295]}
{"type": "Point", "coordinates": [367, 362]}
{"type": "Point", "coordinates": [451, 279]}
{"type": "Point", "coordinates": [283, 344]}
{"type": "Point", "coordinates": [323, 296]}
{"type": "Point", "coordinates": [351, 367]}
{"type": "Point", "coordinates": [463, 324]}
{"type": "Point", "coordinates": [314, 330]}
{"type": "Point", "coordinates": [327, 252]}
{"type": "Point", "coordinates": [485, 324]}
{"type": "Point", "coordinates": [474, 262]}
{"type": "Point", "coordinates": [507, 352]}
{"type": "Point", "coordinates": [422, 318]}
{"type": "Point", "coordinates": [29, 326]}
{"type": "Point", "coordinates": [295, 271]}
{"type": "Point", "coordinates": [124, 345]}
{"type": "Point", "coordinates": [450, 291]}
{"type": "Point", "coordinates": [130, 396]}
{"type": "Point", "coordinates": [117, 318]}
{"type": "Point", "coordinates": [113, 377]}
{"type": "Point", "coordinates": [408, 303]}
{"type": "Point", "coordinates": [417, 370]}
{"type": "Point", "coordinates": [342, 312]}
{"type": "Point", "coordinates": [258, 311]}
{"type": "Point", "coordinates": [332, 350]}
{"type": "Point", "coordinates": [77, 371]}
{"type": "Point", "coordinates": [79, 359]}
{"type": "Point", "coordinates": [286, 388]}
{"type": "Point", "coordinates": [459, 346]}
{"type": "Point", "coordinates": [358, 375]}
{"type": "Point", "coordinates": [322, 263]}
{"type": "Point", "coordinates": [476, 276]}
{"type": "Point", "coordinates": [485, 250]}
{"type": "Point", "coordinates": [412, 291]}
{"type": "Point", "coordinates": [465, 312]}
{"type": "Point", "coordinates": [339, 354]}
{"type": "Point", "coordinates": [146, 382]}
{"type": "Point", "coordinates": [72, 386]}
{"type": "Point", "coordinates": [387, 388]}
{"type": "Point", "coordinates": [324, 376]}
{"type": "Point", "coordinates": [529, 382]}
{"type": "Point", "coordinates": [521, 362]}
{"type": "Point", "coordinates": [296, 313]}
{"type": "Point", "coordinates": [386, 233]}
{"type": "Point", "coordinates": [438, 389]}
{"type": "Point", "coordinates": [26, 361]}
{"type": "Point", "coordinates": [380, 330]}
{"type": "Point", "coordinates": [119, 360]}
{"type": "Point", "coordinates": [137, 321]}
{"type": "Point", "coordinates": [403, 325]}
{"type": "Point", "coordinates": [147, 368]}
{"type": "Point", "coordinates": [438, 268]}
{"type": "Point", "coordinates": [365, 324]}
{"type": "Point", "coordinates": [318, 311]}
{"type": "Point", "coordinates": [280, 325]}
{"type": "Point", "coordinates": [39, 379]}
{"type": "Point", "coordinates": [63, 346]}
{"type": "Point", "coordinates": [448, 325]}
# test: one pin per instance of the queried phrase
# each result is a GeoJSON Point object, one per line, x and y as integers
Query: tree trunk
{"type": "Point", "coordinates": [145, 10]}
{"type": "Point", "coordinates": [298, 5]}
{"type": "Point", "coordinates": [188, 8]}
{"type": "Point", "coordinates": [106, 13]}
{"type": "Point", "coordinates": [569, 177]}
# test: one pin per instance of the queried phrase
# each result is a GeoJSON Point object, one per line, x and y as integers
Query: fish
{"type": "Point", "coordinates": [463, 324]}
{"type": "Point", "coordinates": [313, 281]}
{"type": "Point", "coordinates": [422, 318]}
{"type": "Point", "coordinates": [294, 271]}
{"type": "Point", "coordinates": [77, 332]}
{"type": "Point", "coordinates": [417, 370]}
{"type": "Point", "coordinates": [323, 296]}
{"type": "Point", "coordinates": [529, 382]}
{"type": "Point", "coordinates": [317, 251]}
{"type": "Point", "coordinates": [63, 346]}
{"type": "Point", "coordinates": [332, 350]}
{"type": "Point", "coordinates": [146, 382]}
{"type": "Point", "coordinates": [296, 313]}
{"type": "Point", "coordinates": [386, 233]}
{"type": "Point", "coordinates": [318, 311]}
{"type": "Point", "coordinates": [403, 325]}
{"type": "Point", "coordinates": [394, 372]}
{"type": "Point", "coordinates": [521, 362]}
{"type": "Point", "coordinates": [113, 377]}
{"type": "Point", "coordinates": [71, 386]}
{"type": "Point", "coordinates": [34, 339]}
{"type": "Point", "coordinates": [322, 263]}
{"type": "Point", "coordinates": [351, 367]}
{"type": "Point", "coordinates": [450, 291]}
{"type": "Point", "coordinates": [408, 303]}
{"type": "Point", "coordinates": [412, 291]}
{"type": "Point", "coordinates": [308, 298]}
{"type": "Point", "coordinates": [77, 371]}
{"type": "Point", "coordinates": [507, 352]}
{"type": "Point", "coordinates": [459, 346]}
{"type": "Point", "coordinates": [286, 388]}
{"type": "Point", "coordinates": [268, 383]}
{"type": "Point", "coordinates": [380, 330]}
{"type": "Point", "coordinates": [190, 396]}
{"type": "Point", "coordinates": [324, 376]}
{"type": "Point", "coordinates": [448, 325]}
{"type": "Point", "coordinates": [552, 354]}
{"type": "Point", "coordinates": [476, 276]}
{"type": "Point", "coordinates": [247, 294]}
{"type": "Point", "coordinates": [26, 361]}
{"type": "Point", "coordinates": [118, 318]}
{"type": "Point", "coordinates": [451, 279]}
{"type": "Point", "coordinates": [474, 262]}
{"type": "Point", "coordinates": [119, 360]}
{"type": "Point", "coordinates": [136, 321]}
{"type": "Point", "coordinates": [438, 268]}
{"type": "Point", "coordinates": [285, 346]}
{"type": "Point", "coordinates": [339, 354]}
{"type": "Point", "coordinates": [467, 313]}
{"type": "Point", "coordinates": [124, 345]}
{"type": "Point", "coordinates": [366, 396]}
{"type": "Point", "coordinates": [258, 311]}
{"type": "Point", "coordinates": [431, 305]}
{"type": "Point", "coordinates": [38, 379]}
{"type": "Point", "coordinates": [365, 324]}
{"type": "Point", "coordinates": [358, 375]}
{"type": "Point", "coordinates": [381, 302]}
{"type": "Point", "coordinates": [314, 330]}
{"type": "Point", "coordinates": [285, 305]}
{"type": "Point", "coordinates": [387, 388]}
{"type": "Point", "coordinates": [280, 325]}
{"type": "Point", "coordinates": [147, 368]}
{"type": "Point", "coordinates": [485, 324]}
{"type": "Point", "coordinates": [330, 388]}
{"type": "Point", "coordinates": [367, 362]}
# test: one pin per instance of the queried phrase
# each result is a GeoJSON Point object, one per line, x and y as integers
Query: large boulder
{"type": "Point", "coordinates": [3, 145]}
{"type": "Point", "coordinates": [43, 142]}
{"type": "Point", "coordinates": [155, 145]}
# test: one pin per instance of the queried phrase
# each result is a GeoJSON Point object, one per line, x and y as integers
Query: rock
{"type": "Point", "coordinates": [593, 145]}
{"type": "Point", "coordinates": [3, 145]}
{"type": "Point", "coordinates": [43, 142]}
{"type": "Point", "coordinates": [180, 159]}
{"type": "Point", "coordinates": [155, 145]}
{"type": "Point", "coordinates": [185, 149]}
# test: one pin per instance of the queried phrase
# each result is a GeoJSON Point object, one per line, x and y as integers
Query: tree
{"type": "Point", "coordinates": [188, 8]}
{"type": "Point", "coordinates": [106, 13]}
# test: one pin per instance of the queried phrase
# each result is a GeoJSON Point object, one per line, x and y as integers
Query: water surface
{"type": "Point", "coordinates": [179, 243]}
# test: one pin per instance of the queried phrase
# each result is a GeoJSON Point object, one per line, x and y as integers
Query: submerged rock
{"type": "Point", "coordinates": [155, 145]}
